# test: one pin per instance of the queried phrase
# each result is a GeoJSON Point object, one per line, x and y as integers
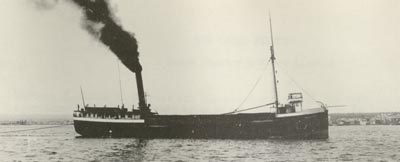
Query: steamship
{"type": "Point", "coordinates": [287, 121]}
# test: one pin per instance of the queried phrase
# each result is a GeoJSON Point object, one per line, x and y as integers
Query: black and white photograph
{"type": "Point", "coordinates": [199, 80]}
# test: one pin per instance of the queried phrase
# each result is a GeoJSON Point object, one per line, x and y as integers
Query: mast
{"type": "Point", "coordinates": [83, 98]}
{"type": "Point", "coordinates": [120, 84]}
{"type": "Point", "coordinates": [273, 64]}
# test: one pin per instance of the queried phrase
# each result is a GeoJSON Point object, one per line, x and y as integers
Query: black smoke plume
{"type": "Point", "coordinates": [99, 22]}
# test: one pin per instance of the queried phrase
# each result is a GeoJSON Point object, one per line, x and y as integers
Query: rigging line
{"type": "Point", "coordinates": [251, 108]}
{"type": "Point", "coordinates": [120, 84]}
{"type": "Point", "coordinates": [254, 86]}
{"type": "Point", "coordinates": [297, 84]}
{"type": "Point", "coordinates": [22, 130]}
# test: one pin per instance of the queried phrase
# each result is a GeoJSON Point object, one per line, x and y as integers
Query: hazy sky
{"type": "Point", "coordinates": [203, 56]}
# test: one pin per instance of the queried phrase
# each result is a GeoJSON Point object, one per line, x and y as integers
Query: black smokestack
{"type": "Point", "coordinates": [99, 22]}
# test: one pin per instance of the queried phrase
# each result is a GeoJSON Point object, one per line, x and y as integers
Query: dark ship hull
{"type": "Point", "coordinates": [311, 124]}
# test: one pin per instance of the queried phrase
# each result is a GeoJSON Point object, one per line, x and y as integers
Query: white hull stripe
{"type": "Point", "coordinates": [262, 121]}
{"type": "Point", "coordinates": [109, 120]}
{"type": "Point", "coordinates": [158, 126]}
{"type": "Point", "coordinates": [304, 112]}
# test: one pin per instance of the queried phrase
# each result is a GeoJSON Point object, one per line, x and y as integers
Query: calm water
{"type": "Point", "coordinates": [346, 143]}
